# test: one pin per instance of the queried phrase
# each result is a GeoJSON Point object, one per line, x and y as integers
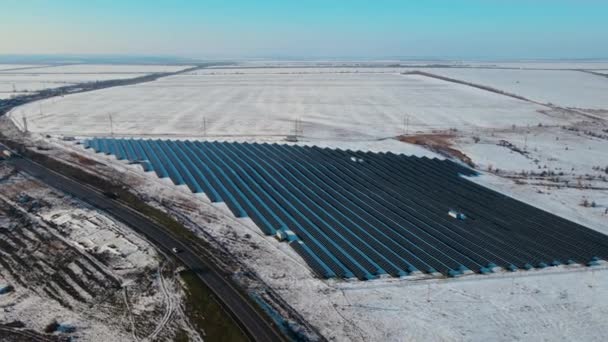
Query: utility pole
{"type": "Point", "coordinates": [526, 139]}
{"type": "Point", "coordinates": [406, 124]}
{"type": "Point", "coordinates": [299, 129]}
{"type": "Point", "coordinates": [24, 124]}
{"type": "Point", "coordinates": [111, 125]}
{"type": "Point", "coordinates": [204, 126]}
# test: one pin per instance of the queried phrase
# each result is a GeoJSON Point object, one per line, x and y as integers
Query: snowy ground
{"type": "Point", "coordinates": [8, 95]}
{"type": "Point", "coordinates": [555, 166]}
{"type": "Point", "coordinates": [19, 79]}
{"type": "Point", "coordinates": [554, 304]}
{"type": "Point", "coordinates": [563, 88]}
{"type": "Point", "coordinates": [334, 63]}
{"type": "Point", "coordinates": [330, 106]}
{"type": "Point", "coordinates": [103, 69]}
{"type": "Point", "coordinates": [18, 66]}
{"type": "Point", "coordinates": [242, 70]}
{"type": "Point", "coordinates": [516, 64]}
{"type": "Point", "coordinates": [560, 305]}
{"type": "Point", "coordinates": [70, 264]}
{"type": "Point", "coordinates": [35, 82]}
{"type": "Point", "coordinates": [546, 64]}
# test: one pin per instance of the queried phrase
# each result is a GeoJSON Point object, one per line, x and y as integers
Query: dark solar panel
{"type": "Point", "coordinates": [357, 214]}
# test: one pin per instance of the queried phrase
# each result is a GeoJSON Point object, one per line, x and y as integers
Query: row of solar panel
{"type": "Point", "coordinates": [358, 214]}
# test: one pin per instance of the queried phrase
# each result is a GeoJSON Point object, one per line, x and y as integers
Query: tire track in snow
{"type": "Point", "coordinates": [169, 303]}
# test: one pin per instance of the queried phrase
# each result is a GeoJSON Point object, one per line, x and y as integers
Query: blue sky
{"type": "Point", "coordinates": [314, 28]}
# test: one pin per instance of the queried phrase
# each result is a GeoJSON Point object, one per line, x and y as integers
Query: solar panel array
{"type": "Point", "coordinates": [360, 214]}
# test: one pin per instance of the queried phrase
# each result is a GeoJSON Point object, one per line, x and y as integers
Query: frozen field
{"type": "Point", "coordinates": [21, 79]}
{"type": "Point", "coordinates": [7, 67]}
{"type": "Point", "coordinates": [530, 64]}
{"type": "Point", "coordinates": [9, 94]}
{"type": "Point", "coordinates": [301, 70]}
{"type": "Point", "coordinates": [336, 63]}
{"type": "Point", "coordinates": [330, 106]}
{"type": "Point", "coordinates": [563, 88]}
{"type": "Point", "coordinates": [547, 64]}
{"type": "Point", "coordinates": [34, 82]}
{"type": "Point", "coordinates": [356, 106]}
{"type": "Point", "coordinates": [510, 308]}
{"type": "Point", "coordinates": [105, 69]}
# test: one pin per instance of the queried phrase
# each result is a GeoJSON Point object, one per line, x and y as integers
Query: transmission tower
{"type": "Point", "coordinates": [111, 125]}
{"type": "Point", "coordinates": [204, 126]}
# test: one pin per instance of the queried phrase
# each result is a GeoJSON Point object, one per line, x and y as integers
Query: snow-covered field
{"type": "Point", "coordinates": [17, 66]}
{"type": "Point", "coordinates": [105, 69]}
{"type": "Point", "coordinates": [539, 306]}
{"type": "Point", "coordinates": [19, 79]}
{"type": "Point", "coordinates": [300, 70]}
{"type": "Point", "coordinates": [334, 63]}
{"type": "Point", "coordinates": [517, 64]}
{"type": "Point", "coordinates": [546, 64]}
{"type": "Point", "coordinates": [562, 164]}
{"type": "Point", "coordinates": [330, 106]}
{"type": "Point", "coordinates": [35, 82]}
{"type": "Point", "coordinates": [563, 88]}
{"type": "Point", "coordinates": [556, 168]}
{"type": "Point", "coordinates": [8, 95]}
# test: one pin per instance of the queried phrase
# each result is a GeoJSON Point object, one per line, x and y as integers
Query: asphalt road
{"type": "Point", "coordinates": [256, 326]}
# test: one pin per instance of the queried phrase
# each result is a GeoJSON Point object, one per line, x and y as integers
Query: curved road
{"type": "Point", "coordinates": [255, 325]}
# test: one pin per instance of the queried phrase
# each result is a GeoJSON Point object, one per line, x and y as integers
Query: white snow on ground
{"type": "Point", "coordinates": [33, 82]}
{"type": "Point", "coordinates": [527, 306]}
{"type": "Point", "coordinates": [522, 64]}
{"type": "Point", "coordinates": [37, 77]}
{"type": "Point", "coordinates": [332, 63]}
{"type": "Point", "coordinates": [546, 64]}
{"type": "Point", "coordinates": [17, 66]}
{"type": "Point", "coordinates": [562, 304]}
{"type": "Point", "coordinates": [563, 88]}
{"type": "Point", "coordinates": [561, 169]}
{"type": "Point", "coordinates": [565, 202]}
{"type": "Point", "coordinates": [107, 69]}
{"type": "Point", "coordinates": [330, 106]}
{"type": "Point", "coordinates": [300, 70]}
{"type": "Point", "coordinates": [8, 95]}
{"type": "Point", "coordinates": [107, 250]}
{"type": "Point", "coordinates": [350, 110]}
{"type": "Point", "coordinates": [556, 148]}
{"type": "Point", "coordinates": [531, 306]}
{"type": "Point", "coordinates": [82, 227]}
